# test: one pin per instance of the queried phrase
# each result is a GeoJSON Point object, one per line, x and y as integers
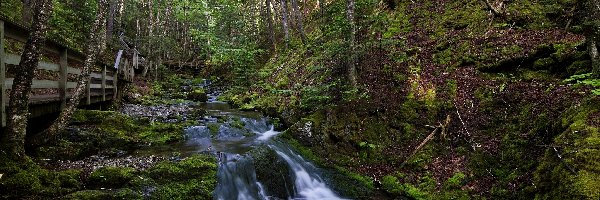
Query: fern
{"type": "Point", "coordinates": [586, 79]}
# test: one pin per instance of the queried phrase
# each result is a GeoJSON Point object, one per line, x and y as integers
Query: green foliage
{"type": "Point", "coordinates": [586, 79]}
{"type": "Point", "coordinates": [27, 179]}
{"type": "Point", "coordinates": [71, 21]}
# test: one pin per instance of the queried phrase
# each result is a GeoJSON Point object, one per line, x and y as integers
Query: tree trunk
{"type": "Point", "coordinates": [27, 9]}
{"type": "Point", "coordinates": [284, 22]}
{"type": "Point", "coordinates": [270, 25]}
{"type": "Point", "coordinates": [18, 109]}
{"type": "Point", "coordinates": [351, 43]}
{"type": "Point", "coordinates": [94, 47]}
{"type": "Point", "coordinates": [593, 35]}
{"type": "Point", "coordinates": [110, 21]}
{"type": "Point", "coordinates": [298, 16]}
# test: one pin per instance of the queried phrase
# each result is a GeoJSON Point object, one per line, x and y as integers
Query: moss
{"type": "Point", "coordinates": [191, 189]}
{"type": "Point", "coordinates": [27, 179]}
{"type": "Point", "coordinates": [89, 195]}
{"type": "Point", "coordinates": [111, 177]}
{"type": "Point", "coordinates": [544, 64]}
{"type": "Point", "coordinates": [572, 175]}
{"type": "Point", "coordinates": [580, 67]}
{"type": "Point", "coordinates": [192, 167]}
{"type": "Point", "coordinates": [197, 94]}
{"type": "Point", "coordinates": [350, 184]}
{"type": "Point", "coordinates": [456, 181]}
{"type": "Point", "coordinates": [213, 128]}
{"type": "Point", "coordinates": [272, 171]}
{"type": "Point", "coordinates": [127, 193]}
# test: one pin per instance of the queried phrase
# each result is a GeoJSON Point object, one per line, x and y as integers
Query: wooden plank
{"type": "Point", "coordinates": [88, 91]}
{"type": "Point", "coordinates": [3, 96]}
{"type": "Point", "coordinates": [71, 85]}
{"type": "Point", "coordinates": [95, 86]}
{"type": "Point", "coordinates": [72, 70]}
{"type": "Point", "coordinates": [96, 75]}
{"type": "Point", "coordinates": [114, 83]}
{"type": "Point", "coordinates": [48, 66]}
{"type": "Point", "coordinates": [104, 83]}
{"type": "Point", "coordinates": [37, 84]}
{"type": "Point", "coordinates": [62, 84]}
{"type": "Point", "coordinates": [12, 59]}
{"type": "Point", "coordinates": [110, 78]}
{"type": "Point", "coordinates": [110, 87]}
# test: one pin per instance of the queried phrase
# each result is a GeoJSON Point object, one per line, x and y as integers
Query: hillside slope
{"type": "Point", "coordinates": [487, 87]}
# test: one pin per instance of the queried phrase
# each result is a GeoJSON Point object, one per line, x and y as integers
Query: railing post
{"type": "Point", "coordinates": [132, 73]}
{"type": "Point", "coordinates": [115, 79]}
{"type": "Point", "coordinates": [125, 69]}
{"type": "Point", "coordinates": [104, 83]}
{"type": "Point", "coordinates": [87, 88]}
{"type": "Point", "coordinates": [3, 96]}
{"type": "Point", "coordinates": [62, 83]}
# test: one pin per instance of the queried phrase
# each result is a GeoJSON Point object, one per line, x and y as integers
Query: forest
{"type": "Point", "coordinates": [300, 99]}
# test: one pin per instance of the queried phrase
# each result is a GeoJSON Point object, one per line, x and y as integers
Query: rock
{"type": "Point", "coordinates": [273, 172]}
{"type": "Point", "coordinates": [198, 94]}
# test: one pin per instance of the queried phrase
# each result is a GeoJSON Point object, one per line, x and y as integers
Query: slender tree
{"type": "Point", "coordinates": [26, 10]}
{"type": "Point", "coordinates": [18, 109]}
{"type": "Point", "coordinates": [270, 25]}
{"type": "Point", "coordinates": [298, 16]}
{"type": "Point", "coordinates": [284, 22]}
{"type": "Point", "coordinates": [592, 32]}
{"type": "Point", "coordinates": [350, 7]}
{"type": "Point", "coordinates": [95, 46]}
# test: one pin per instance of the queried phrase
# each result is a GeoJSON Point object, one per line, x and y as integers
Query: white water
{"type": "Point", "coordinates": [308, 185]}
{"type": "Point", "coordinates": [237, 174]}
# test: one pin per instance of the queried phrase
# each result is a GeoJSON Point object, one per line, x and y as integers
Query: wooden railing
{"type": "Point", "coordinates": [102, 85]}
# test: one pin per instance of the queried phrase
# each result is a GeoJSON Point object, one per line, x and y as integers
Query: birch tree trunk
{"type": "Point", "coordinates": [298, 16]}
{"type": "Point", "coordinates": [270, 25]}
{"type": "Point", "coordinates": [284, 22]}
{"type": "Point", "coordinates": [94, 48]}
{"type": "Point", "coordinates": [350, 7]}
{"type": "Point", "coordinates": [18, 108]}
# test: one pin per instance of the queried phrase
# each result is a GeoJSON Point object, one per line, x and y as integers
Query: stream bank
{"type": "Point", "coordinates": [169, 148]}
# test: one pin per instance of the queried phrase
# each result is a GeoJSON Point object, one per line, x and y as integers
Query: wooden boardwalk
{"type": "Point", "coordinates": [101, 87]}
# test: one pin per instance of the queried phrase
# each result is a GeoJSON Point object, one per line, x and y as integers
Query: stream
{"type": "Point", "coordinates": [234, 137]}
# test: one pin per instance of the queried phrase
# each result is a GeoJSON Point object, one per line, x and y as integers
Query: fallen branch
{"type": "Point", "coordinates": [442, 127]}
{"type": "Point", "coordinates": [495, 11]}
{"type": "Point", "coordinates": [563, 161]}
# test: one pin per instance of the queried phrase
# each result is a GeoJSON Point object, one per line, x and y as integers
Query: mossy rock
{"type": "Point", "coordinates": [198, 94]}
{"type": "Point", "coordinates": [190, 189]}
{"type": "Point", "coordinates": [191, 178]}
{"type": "Point", "coordinates": [580, 67]}
{"type": "Point", "coordinates": [111, 177]}
{"type": "Point", "coordinates": [195, 166]}
{"type": "Point", "coordinates": [573, 175]}
{"type": "Point", "coordinates": [273, 172]}
{"type": "Point", "coordinates": [544, 64]}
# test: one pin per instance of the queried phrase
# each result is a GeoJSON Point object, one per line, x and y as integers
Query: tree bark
{"type": "Point", "coordinates": [284, 22]}
{"type": "Point", "coordinates": [27, 9]}
{"type": "Point", "coordinates": [94, 48]}
{"type": "Point", "coordinates": [350, 7]}
{"type": "Point", "coordinates": [18, 110]}
{"type": "Point", "coordinates": [110, 21]}
{"type": "Point", "coordinates": [593, 35]}
{"type": "Point", "coordinates": [298, 16]}
{"type": "Point", "coordinates": [270, 25]}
